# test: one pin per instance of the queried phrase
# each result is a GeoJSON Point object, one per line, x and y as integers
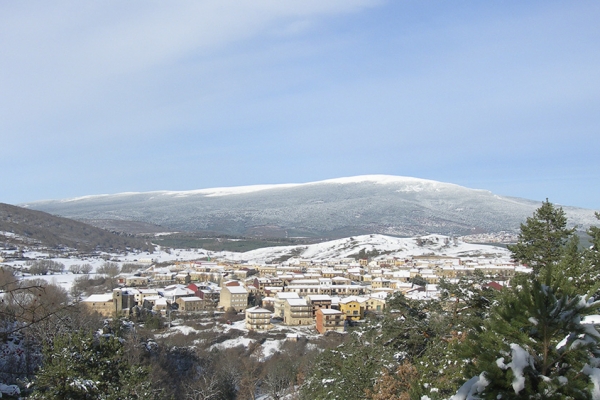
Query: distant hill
{"type": "Point", "coordinates": [20, 226]}
{"type": "Point", "coordinates": [335, 208]}
{"type": "Point", "coordinates": [377, 247]}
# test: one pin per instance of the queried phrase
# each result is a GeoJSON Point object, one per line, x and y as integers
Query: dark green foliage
{"type": "Point", "coordinates": [542, 239]}
{"type": "Point", "coordinates": [153, 321]}
{"type": "Point", "coordinates": [346, 372]}
{"type": "Point", "coordinates": [573, 268]}
{"type": "Point", "coordinates": [213, 242]}
{"type": "Point", "coordinates": [418, 333]}
{"type": "Point", "coordinates": [591, 263]}
{"type": "Point", "coordinates": [84, 366]}
{"type": "Point", "coordinates": [533, 319]}
{"type": "Point", "coordinates": [534, 345]}
{"type": "Point", "coordinates": [418, 280]}
{"type": "Point", "coordinates": [410, 326]}
{"type": "Point", "coordinates": [469, 300]}
{"type": "Point", "coordinates": [365, 254]}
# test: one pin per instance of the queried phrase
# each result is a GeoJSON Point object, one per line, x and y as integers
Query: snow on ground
{"type": "Point", "coordinates": [391, 246]}
{"type": "Point", "coordinates": [184, 329]}
{"type": "Point", "coordinates": [239, 325]}
{"type": "Point", "coordinates": [63, 280]}
{"type": "Point", "coordinates": [268, 348]}
{"type": "Point", "coordinates": [271, 347]}
{"type": "Point", "coordinates": [231, 343]}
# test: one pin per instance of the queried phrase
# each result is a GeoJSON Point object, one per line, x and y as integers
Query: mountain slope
{"type": "Point", "coordinates": [21, 226]}
{"type": "Point", "coordinates": [334, 208]}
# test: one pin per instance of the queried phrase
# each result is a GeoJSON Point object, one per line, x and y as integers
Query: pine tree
{"type": "Point", "coordinates": [592, 258]}
{"type": "Point", "coordinates": [347, 372]}
{"type": "Point", "coordinates": [85, 366]}
{"type": "Point", "coordinates": [542, 239]}
{"type": "Point", "coordinates": [535, 345]}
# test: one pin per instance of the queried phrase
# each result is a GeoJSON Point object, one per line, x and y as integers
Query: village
{"type": "Point", "coordinates": [324, 295]}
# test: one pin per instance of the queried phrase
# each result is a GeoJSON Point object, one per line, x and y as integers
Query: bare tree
{"type": "Point", "coordinates": [75, 268]}
{"type": "Point", "coordinates": [111, 270]}
{"type": "Point", "coordinates": [206, 387]}
{"type": "Point", "coordinates": [279, 377]}
{"type": "Point", "coordinates": [86, 268]}
{"type": "Point", "coordinates": [251, 374]}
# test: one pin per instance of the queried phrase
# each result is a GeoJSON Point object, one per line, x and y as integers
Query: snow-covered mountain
{"type": "Point", "coordinates": [342, 207]}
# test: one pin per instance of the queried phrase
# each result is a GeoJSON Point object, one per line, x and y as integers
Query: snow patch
{"type": "Point", "coordinates": [520, 360]}
{"type": "Point", "coordinates": [473, 386]}
{"type": "Point", "coordinates": [594, 374]}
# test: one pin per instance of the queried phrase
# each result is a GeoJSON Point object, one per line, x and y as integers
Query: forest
{"type": "Point", "coordinates": [533, 339]}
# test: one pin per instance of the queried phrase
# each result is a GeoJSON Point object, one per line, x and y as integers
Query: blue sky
{"type": "Point", "coordinates": [112, 96]}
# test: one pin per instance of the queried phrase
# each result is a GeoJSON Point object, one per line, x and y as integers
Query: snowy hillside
{"type": "Point", "coordinates": [333, 208]}
{"type": "Point", "coordinates": [386, 246]}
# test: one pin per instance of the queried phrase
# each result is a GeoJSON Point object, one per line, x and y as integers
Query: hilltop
{"type": "Point", "coordinates": [336, 208]}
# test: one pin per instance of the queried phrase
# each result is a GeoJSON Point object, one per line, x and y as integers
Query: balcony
{"type": "Point", "coordinates": [301, 314]}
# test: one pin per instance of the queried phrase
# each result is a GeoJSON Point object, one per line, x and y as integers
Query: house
{"type": "Point", "coordinates": [258, 319]}
{"type": "Point", "coordinates": [109, 304]}
{"type": "Point", "coordinates": [183, 278]}
{"type": "Point", "coordinates": [101, 303]}
{"type": "Point", "coordinates": [207, 291]}
{"type": "Point", "coordinates": [280, 299]}
{"type": "Point", "coordinates": [134, 280]}
{"type": "Point", "coordinates": [143, 294]}
{"type": "Point", "coordinates": [160, 305]}
{"type": "Point", "coordinates": [173, 292]}
{"type": "Point", "coordinates": [346, 290]}
{"type": "Point", "coordinates": [234, 297]}
{"type": "Point", "coordinates": [191, 303]}
{"type": "Point", "coordinates": [150, 301]}
{"type": "Point", "coordinates": [163, 275]}
{"type": "Point", "coordinates": [329, 320]}
{"type": "Point", "coordinates": [319, 301]}
{"type": "Point", "coordinates": [353, 307]}
{"type": "Point", "coordinates": [297, 312]}
{"type": "Point", "coordinates": [381, 283]}
{"type": "Point", "coordinates": [374, 304]}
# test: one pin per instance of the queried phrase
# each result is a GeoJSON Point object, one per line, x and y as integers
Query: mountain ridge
{"type": "Point", "coordinates": [365, 204]}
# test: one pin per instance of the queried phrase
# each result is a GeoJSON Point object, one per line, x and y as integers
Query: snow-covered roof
{"type": "Point", "coordinates": [258, 310]}
{"type": "Point", "coordinates": [297, 302]}
{"type": "Point", "coordinates": [178, 292]}
{"type": "Point", "coordinates": [99, 298]}
{"type": "Point", "coordinates": [190, 298]}
{"type": "Point", "coordinates": [353, 298]}
{"type": "Point", "coordinates": [287, 295]}
{"type": "Point", "coordinates": [236, 289]}
{"type": "Point", "coordinates": [329, 311]}
{"type": "Point", "coordinates": [319, 297]}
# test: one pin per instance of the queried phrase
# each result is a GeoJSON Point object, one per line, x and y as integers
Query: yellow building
{"type": "Point", "coordinates": [353, 307]}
